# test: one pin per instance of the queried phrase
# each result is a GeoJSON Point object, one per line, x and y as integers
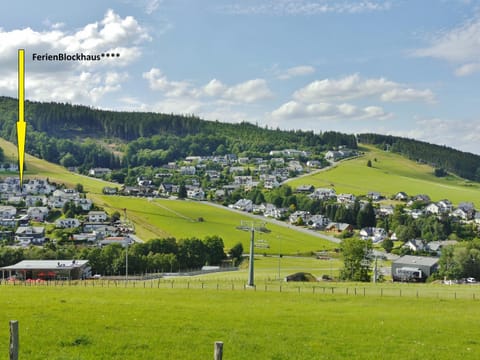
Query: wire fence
{"type": "Point", "coordinates": [446, 292]}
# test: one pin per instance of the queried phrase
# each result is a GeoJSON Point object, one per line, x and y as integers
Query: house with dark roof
{"type": "Point", "coordinates": [27, 235]}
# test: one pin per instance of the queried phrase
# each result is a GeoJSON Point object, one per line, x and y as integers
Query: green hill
{"type": "Point", "coordinates": [391, 173]}
{"type": "Point", "coordinates": [166, 218]}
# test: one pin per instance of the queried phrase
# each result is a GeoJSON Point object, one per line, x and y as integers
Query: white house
{"type": "Point", "coordinates": [401, 196]}
{"type": "Point", "coordinates": [304, 215]}
{"type": "Point", "coordinates": [323, 194]}
{"type": "Point", "coordinates": [99, 172]}
{"type": "Point", "coordinates": [38, 186]}
{"type": "Point", "coordinates": [415, 245]}
{"type": "Point", "coordinates": [187, 170]}
{"type": "Point", "coordinates": [243, 204]}
{"type": "Point", "coordinates": [346, 198]}
{"type": "Point", "coordinates": [318, 222]}
{"type": "Point", "coordinates": [32, 200]}
{"type": "Point", "coordinates": [69, 194]}
{"type": "Point", "coordinates": [196, 194]}
{"type": "Point", "coordinates": [57, 202]}
{"type": "Point", "coordinates": [68, 223]}
{"type": "Point", "coordinates": [445, 206]}
{"type": "Point", "coordinates": [373, 233]}
{"type": "Point", "coordinates": [432, 209]}
{"type": "Point", "coordinates": [8, 212]}
{"type": "Point", "coordinates": [97, 216]}
{"type": "Point", "coordinates": [460, 213]}
{"type": "Point", "coordinates": [85, 204]}
{"type": "Point", "coordinates": [37, 213]}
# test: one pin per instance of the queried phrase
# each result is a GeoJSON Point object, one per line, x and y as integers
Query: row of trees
{"type": "Point", "coordinates": [461, 261]}
{"type": "Point", "coordinates": [426, 227]}
{"type": "Point", "coordinates": [164, 255]}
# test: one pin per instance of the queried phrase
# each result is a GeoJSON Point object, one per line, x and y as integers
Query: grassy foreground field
{"type": "Point", "coordinates": [74, 322]}
{"type": "Point", "coordinates": [389, 174]}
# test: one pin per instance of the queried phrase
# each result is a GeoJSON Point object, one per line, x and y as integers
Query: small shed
{"type": "Point", "coordinates": [414, 268]}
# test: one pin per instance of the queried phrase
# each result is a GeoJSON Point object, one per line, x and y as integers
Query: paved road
{"type": "Point", "coordinates": [278, 222]}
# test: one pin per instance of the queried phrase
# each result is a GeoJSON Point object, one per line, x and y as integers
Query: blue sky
{"type": "Point", "coordinates": [408, 68]}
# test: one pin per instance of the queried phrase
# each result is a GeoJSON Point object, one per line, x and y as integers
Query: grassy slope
{"type": "Point", "coordinates": [36, 167]}
{"type": "Point", "coordinates": [162, 218]}
{"type": "Point", "coordinates": [390, 174]}
{"type": "Point", "coordinates": [150, 323]}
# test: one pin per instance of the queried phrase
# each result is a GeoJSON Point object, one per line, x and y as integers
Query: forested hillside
{"type": "Point", "coordinates": [76, 135]}
{"type": "Point", "coordinates": [466, 165]}
{"type": "Point", "coordinates": [70, 134]}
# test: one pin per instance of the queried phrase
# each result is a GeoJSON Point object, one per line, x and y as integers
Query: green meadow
{"type": "Point", "coordinates": [391, 173]}
{"type": "Point", "coordinates": [180, 219]}
{"type": "Point", "coordinates": [171, 218]}
{"type": "Point", "coordinates": [95, 322]}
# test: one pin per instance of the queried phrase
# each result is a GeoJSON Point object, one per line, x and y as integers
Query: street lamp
{"type": "Point", "coordinates": [279, 257]}
{"type": "Point", "coordinates": [127, 240]}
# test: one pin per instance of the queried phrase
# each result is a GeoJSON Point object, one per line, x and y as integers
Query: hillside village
{"type": "Point", "coordinates": [214, 177]}
{"type": "Point", "coordinates": [32, 215]}
{"type": "Point", "coordinates": [43, 210]}
{"type": "Point", "coordinates": [243, 184]}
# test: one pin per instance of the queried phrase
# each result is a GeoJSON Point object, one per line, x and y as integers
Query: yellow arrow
{"type": "Point", "coordinates": [21, 124]}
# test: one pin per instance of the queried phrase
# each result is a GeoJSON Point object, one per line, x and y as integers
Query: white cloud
{"type": "Point", "coordinates": [460, 45]}
{"type": "Point", "coordinates": [467, 69]}
{"type": "Point", "coordinates": [214, 88]}
{"type": "Point", "coordinates": [73, 81]}
{"type": "Point", "coordinates": [296, 71]}
{"type": "Point", "coordinates": [305, 7]}
{"type": "Point", "coordinates": [152, 5]}
{"type": "Point", "coordinates": [84, 87]}
{"type": "Point", "coordinates": [408, 94]}
{"type": "Point", "coordinates": [353, 86]}
{"type": "Point", "coordinates": [294, 110]}
{"type": "Point", "coordinates": [246, 92]}
{"type": "Point", "coordinates": [158, 81]}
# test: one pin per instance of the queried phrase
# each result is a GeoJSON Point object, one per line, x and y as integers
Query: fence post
{"type": "Point", "coordinates": [13, 340]}
{"type": "Point", "coordinates": [218, 350]}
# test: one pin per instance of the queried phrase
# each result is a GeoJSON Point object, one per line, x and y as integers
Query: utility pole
{"type": "Point", "coordinates": [126, 258]}
{"type": "Point", "coordinates": [252, 226]}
